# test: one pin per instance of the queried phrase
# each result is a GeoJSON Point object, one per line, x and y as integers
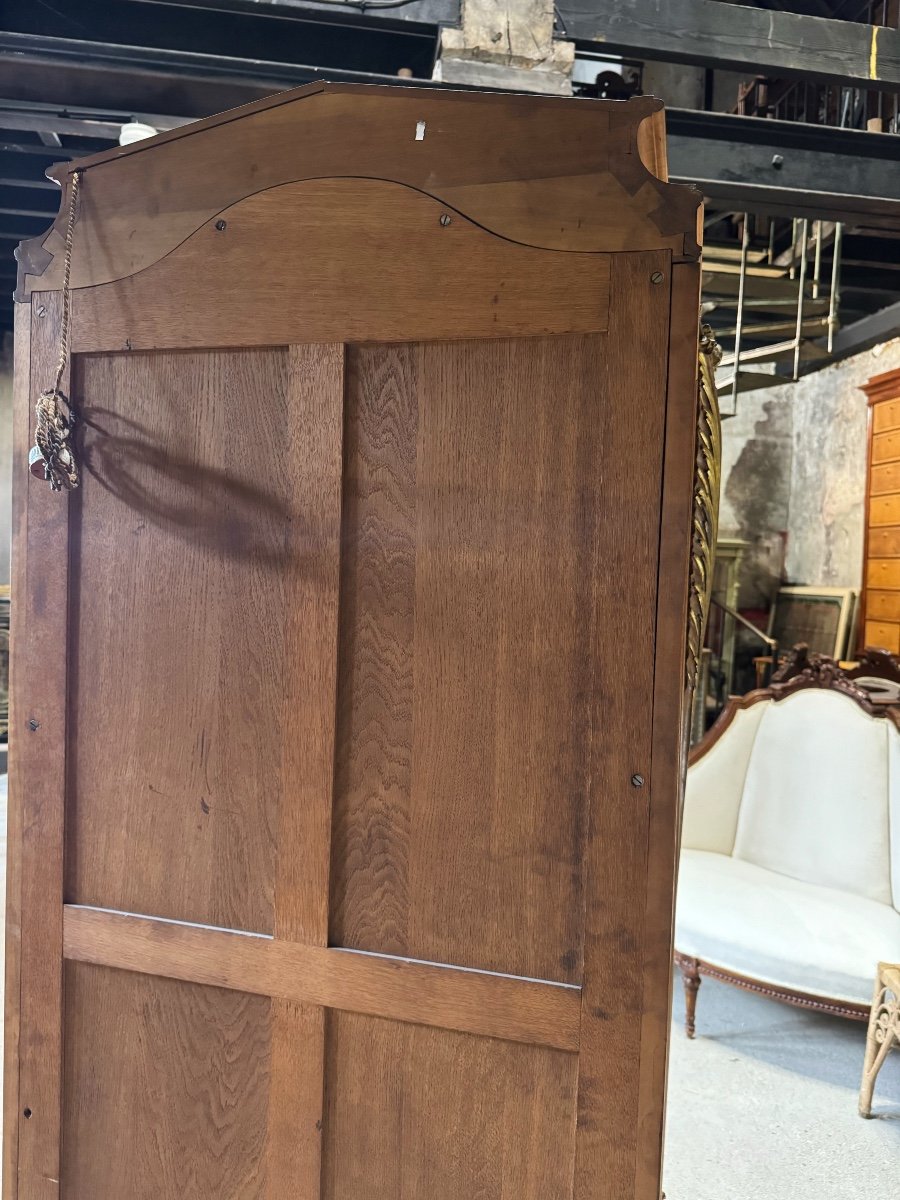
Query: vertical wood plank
{"type": "Point", "coordinates": [21, 434]}
{"type": "Point", "coordinates": [670, 727]}
{"type": "Point", "coordinates": [39, 786]}
{"type": "Point", "coordinates": [429, 1114]}
{"type": "Point", "coordinates": [165, 1089]}
{"type": "Point", "coordinates": [509, 458]}
{"type": "Point", "coordinates": [623, 613]}
{"type": "Point", "coordinates": [370, 879]}
{"type": "Point", "coordinates": [182, 538]}
{"type": "Point", "coordinates": [314, 453]}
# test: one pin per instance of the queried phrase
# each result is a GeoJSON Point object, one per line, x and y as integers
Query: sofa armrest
{"type": "Point", "coordinates": [715, 780]}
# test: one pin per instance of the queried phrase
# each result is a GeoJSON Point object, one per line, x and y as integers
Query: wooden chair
{"type": "Point", "coordinates": [884, 1030]}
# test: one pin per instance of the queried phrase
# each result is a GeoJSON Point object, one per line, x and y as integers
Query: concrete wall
{"type": "Point", "coordinates": [757, 449]}
{"type": "Point", "coordinates": [828, 472]}
{"type": "Point", "coordinates": [793, 480]}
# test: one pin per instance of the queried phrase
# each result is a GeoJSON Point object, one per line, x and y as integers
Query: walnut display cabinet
{"type": "Point", "coordinates": [349, 683]}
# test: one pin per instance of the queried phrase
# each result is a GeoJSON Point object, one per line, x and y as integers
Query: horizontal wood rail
{"type": "Point", "coordinates": [448, 997]}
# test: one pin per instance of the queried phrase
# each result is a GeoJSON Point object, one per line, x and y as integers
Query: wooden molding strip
{"type": "Point", "coordinates": [447, 997]}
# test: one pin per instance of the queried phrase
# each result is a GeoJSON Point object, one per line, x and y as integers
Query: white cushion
{"type": "Point", "coordinates": [712, 797]}
{"type": "Point", "coordinates": [795, 935]}
{"type": "Point", "coordinates": [894, 812]}
{"type": "Point", "coordinates": [815, 801]}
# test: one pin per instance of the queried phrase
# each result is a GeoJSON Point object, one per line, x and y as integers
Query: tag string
{"type": "Point", "coordinates": [52, 456]}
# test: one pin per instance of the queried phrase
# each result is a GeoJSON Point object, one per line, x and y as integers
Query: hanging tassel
{"type": "Point", "coordinates": [52, 457]}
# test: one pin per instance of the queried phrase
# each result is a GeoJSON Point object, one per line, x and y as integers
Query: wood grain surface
{"type": "Point", "coordinates": [522, 1010]}
{"type": "Point", "coordinates": [427, 1113]}
{"type": "Point", "coordinates": [18, 720]}
{"type": "Point", "coordinates": [200, 609]}
{"type": "Point", "coordinates": [671, 706]}
{"type": "Point", "coordinates": [462, 773]}
{"type": "Point", "coordinates": [166, 1086]}
{"type": "Point", "coordinates": [365, 261]}
{"type": "Point", "coordinates": [38, 744]}
{"type": "Point", "coordinates": [351, 831]}
{"type": "Point", "coordinates": [621, 744]}
{"type": "Point", "coordinates": [560, 174]}
{"type": "Point", "coordinates": [879, 601]}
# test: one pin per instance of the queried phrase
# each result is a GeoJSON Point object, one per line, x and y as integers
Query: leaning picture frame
{"type": "Point", "coordinates": [821, 617]}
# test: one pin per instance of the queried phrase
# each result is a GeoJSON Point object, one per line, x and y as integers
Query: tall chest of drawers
{"type": "Point", "coordinates": [880, 624]}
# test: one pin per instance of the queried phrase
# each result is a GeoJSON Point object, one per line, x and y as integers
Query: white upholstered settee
{"type": "Point", "coordinates": [789, 881]}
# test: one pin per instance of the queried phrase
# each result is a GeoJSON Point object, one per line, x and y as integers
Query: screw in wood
{"type": "Point", "coordinates": [445, 219]}
{"type": "Point", "coordinates": [637, 781]}
{"type": "Point", "coordinates": [34, 725]}
{"type": "Point", "coordinates": [657, 277]}
{"type": "Point", "coordinates": [221, 226]}
{"type": "Point", "coordinates": [41, 310]}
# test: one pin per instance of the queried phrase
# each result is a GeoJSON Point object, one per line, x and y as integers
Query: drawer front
{"type": "Point", "coordinates": [884, 542]}
{"type": "Point", "coordinates": [884, 510]}
{"type": "Point", "coordinates": [886, 415]}
{"type": "Point", "coordinates": [885, 479]}
{"type": "Point", "coordinates": [885, 446]}
{"type": "Point", "coordinates": [884, 634]}
{"type": "Point", "coordinates": [883, 573]}
{"type": "Point", "coordinates": [883, 606]}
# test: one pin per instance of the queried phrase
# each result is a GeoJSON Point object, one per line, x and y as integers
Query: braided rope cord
{"type": "Point", "coordinates": [53, 449]}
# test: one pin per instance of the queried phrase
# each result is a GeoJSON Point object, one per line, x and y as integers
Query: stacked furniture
{"type": "Point", "coordinates": [880, 600]}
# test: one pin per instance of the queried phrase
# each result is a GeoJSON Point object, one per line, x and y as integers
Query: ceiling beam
{"type": "Point", "coordinates": [861, 335]}
{"type": "Point", "coordinates": [735, 37]}
{"type": "Point", "coordinates": [134, 79]}
{"type": "Point", "coordinates": [402, 12]}
{"type": "Point", "coordinates": [744, 163]}
{"type": "Point", "coordinates": [787, 169]}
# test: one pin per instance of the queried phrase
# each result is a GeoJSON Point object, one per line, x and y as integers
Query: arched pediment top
{"type": "Point", "coordinates": [557, 174]}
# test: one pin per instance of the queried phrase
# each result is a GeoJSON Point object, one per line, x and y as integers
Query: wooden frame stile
{"type": "Point", "coordinates": [38, 767]}
{"type": "Point", "coordinates": [646, 799]}
{"type": "Point", "coordinates": [301, 887]}
{"type": "Point", "coordinates": [612, 1035]}
{"type": "Point", "coordinates": [21, 435]}
{"type": "Point", "coordinates": [671, 711]}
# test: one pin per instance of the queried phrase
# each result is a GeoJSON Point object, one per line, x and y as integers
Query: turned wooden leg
{"type": "Point", "coordinates": [883, 1033]}
{"type": "Point", "coordinates": [690, 974]}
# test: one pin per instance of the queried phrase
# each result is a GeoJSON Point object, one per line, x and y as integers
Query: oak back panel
{"type": "Point", "coordinates": [346, 842]}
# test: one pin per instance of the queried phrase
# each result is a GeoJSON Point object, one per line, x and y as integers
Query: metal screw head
{"type": "Point", "coordinates": [34, 725]}
{"type": "Point", "coordinates": [41, 310]}
{"type": "Point", "coordinates": [637, 781]}
{"type": "Point", "coordinates": [221, 225]}
{"type": "Point", "coordinates": [445, 219]}
{"type": "Point", "coordinates": [657, 277]}
{"type": "Point", "coordinates": [777, 161]}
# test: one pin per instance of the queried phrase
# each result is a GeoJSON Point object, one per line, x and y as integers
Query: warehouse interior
{"type": "Point", "coordinates": [786, 116]}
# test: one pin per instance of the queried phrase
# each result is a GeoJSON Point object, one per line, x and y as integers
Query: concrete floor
{"type": "Point", "coordinates": [762, 1106]}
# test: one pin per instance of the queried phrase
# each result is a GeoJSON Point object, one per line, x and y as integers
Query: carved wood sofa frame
{"type": "Point", "coordinates": [799, 672]}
